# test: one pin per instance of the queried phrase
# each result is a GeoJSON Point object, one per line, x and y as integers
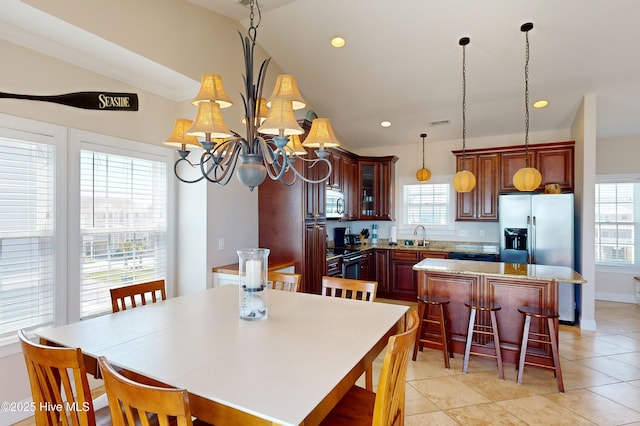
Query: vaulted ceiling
{"type": "Point", "coordinates": [402, 63]}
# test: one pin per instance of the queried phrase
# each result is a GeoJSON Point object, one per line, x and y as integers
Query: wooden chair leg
{"type": "Point", "coordinates": [443, 333]}
{"type": "Point", "coordinates": [554, 350]}
{"type": "Point", "coordinates": [368, 378]}
{"type": "Point", "coordinates": [467, 349]}
{"type": "Point", "coordinates": [496, 340]}
{"type": "Point", "coordinates": [417, 345]}
{"type": "Point", "coordinates": [523, 347]}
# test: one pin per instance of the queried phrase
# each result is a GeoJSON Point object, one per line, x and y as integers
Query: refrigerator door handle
{"type": "Point", "coordinates": [533, 241]}
{"type": "Point", "coordinates": [529, 241]}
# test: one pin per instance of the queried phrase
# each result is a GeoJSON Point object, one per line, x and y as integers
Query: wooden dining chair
{"type": "Point", "coordinates": [133, 403]}
{"type": "Point", "coordinates": [284, 281]}
{"type": "Point", "coordinates": [152, 290]}
{"type": "Point", "coordinates": [347, 288]}
{"type": "Point", "coordinates": [352, 289]}
{"type": "Point", "coordinates": [59, 386]}
{"type": "Point", "coordinates": [385, 407]}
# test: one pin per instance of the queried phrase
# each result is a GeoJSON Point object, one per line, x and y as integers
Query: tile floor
{"type": "Point", "coordinates": [601, 372]}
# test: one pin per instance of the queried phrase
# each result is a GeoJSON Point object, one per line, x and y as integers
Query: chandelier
{"type": "Point", "coordinates": [271, 144]}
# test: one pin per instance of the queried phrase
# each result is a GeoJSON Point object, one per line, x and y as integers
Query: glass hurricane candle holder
{"type": "Point", "coordinates": [253, 269]}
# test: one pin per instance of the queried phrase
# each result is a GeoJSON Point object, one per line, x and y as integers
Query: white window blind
{"type": "Point", "coordinates": [617, 204]}
{"type": "Point", "coordinates": [123, 225]}
{"type": "Point", "coordinates": [426, 204]}
{"type": "Point", "coordinates": [27, 263]}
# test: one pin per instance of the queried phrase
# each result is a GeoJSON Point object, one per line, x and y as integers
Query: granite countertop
{"type": "Point", "coordinates": [443, 246]}
{"type": "Point", "coordinates": [274, 265]}
{"type": "Point", "coordinates": [500, 269]}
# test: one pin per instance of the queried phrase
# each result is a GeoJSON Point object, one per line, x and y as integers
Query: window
{"type": "Point", "coordinates": [123, 225]}
{"type": "Point", "coordinates": [427, 204]}
{"type": "Point", "coordinates": [29, 224]}
{"type": "Point", "coordinates": [616, 212]}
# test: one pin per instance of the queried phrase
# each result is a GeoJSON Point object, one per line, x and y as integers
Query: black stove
{"type": "Point", "coordinates": [344, 251]}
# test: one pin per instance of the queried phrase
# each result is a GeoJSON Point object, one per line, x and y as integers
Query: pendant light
{"type": "Point", "coordinates": [528, 178]}
{"type": "Point", "coordinates": [464, 180]}
{"type": "Point", "coordinates": [423, 174]}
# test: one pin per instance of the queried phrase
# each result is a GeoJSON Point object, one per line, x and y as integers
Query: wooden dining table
{"type": "Point", "coordinates": [289, 369]}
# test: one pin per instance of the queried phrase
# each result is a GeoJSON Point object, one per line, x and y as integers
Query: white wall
{"type": "Point", "coordinates": [617, 156]}
{"type": "Point", "coordinates": [584, 133]}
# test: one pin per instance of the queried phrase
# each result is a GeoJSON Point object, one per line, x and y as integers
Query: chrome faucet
{"type": "Point", "coordinates": [424, 234]}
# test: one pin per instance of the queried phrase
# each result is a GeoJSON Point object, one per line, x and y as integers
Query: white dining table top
{"type": "Point", "coordinates": [278, 369]}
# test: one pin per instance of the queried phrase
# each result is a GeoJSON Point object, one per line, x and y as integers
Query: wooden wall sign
{"type": "Point", "coordinates": [105, 101]}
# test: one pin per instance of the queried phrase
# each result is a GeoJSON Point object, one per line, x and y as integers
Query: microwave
{"type": "Point", "coordinates": [334, 204]}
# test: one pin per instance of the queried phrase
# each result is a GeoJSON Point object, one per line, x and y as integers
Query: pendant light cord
{"type": "Point", "coordinates": [463, 42]}
{"type": "Point", "coordinates": [423, 136]}
{"type": "Point", "coordinates": [526, 93]}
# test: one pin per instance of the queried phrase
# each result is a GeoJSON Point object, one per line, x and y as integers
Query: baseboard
{"type": "Point", "coordinates": [616, 297]}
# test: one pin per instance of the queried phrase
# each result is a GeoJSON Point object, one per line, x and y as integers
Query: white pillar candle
{"type": "Point", "coordinates": [254, 273]}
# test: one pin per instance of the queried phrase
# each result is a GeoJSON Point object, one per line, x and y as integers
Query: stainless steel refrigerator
{"type": "Point", "coordinates": [539, 228]}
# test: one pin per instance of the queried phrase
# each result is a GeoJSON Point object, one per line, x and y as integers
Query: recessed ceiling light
{"type": "Point", "coordinates": [338, 42]}
{"type": "Point", "coordinates": [541, 103]}
{"type": "Point", "coordinates": [386, 124]}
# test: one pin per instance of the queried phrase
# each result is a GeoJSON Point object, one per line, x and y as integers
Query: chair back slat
{"type": "Point", "coordinates": [59, 384]}
{"type": "Point", "coordinates": [390, 396]}
{"type": "Point", "coordinates": [134, 403]}
{"type": "Point", "coordinates": [121, 295]}
{"type": "Point", "coordinates": [284, 281]}
{"type": "Point", "coordinates": [347, 288]}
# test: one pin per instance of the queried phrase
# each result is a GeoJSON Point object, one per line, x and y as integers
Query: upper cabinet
{"type": "Point", "coordinates": [494, 169]}
{"type": "Point", "coordinates": [554, 161]}
{"type": "Point", "coordinates": [376, 183]}
{"type": "Point", "coordinates": [481, 203]}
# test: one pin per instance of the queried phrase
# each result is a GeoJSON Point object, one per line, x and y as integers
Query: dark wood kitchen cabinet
{"type": "Point", "coordinates": [367, 266]}
{"type": "Point", "coordinates": [376, 182]}
{"type": "Point", "coordinates": [480, 204]}
{"type": "Point", "coordinates": [350, 186]}
{"type": "Point", "coordinates": [314, 248]}
{"type": "Point", "coordinates": [381, 262]}
{"type": "Point", "coordinates": [336, 178]}
{"type": "Point", "coordinates": [292, 223]}
{"type": "Point", "coordinates": [494, 169]}
{"type": "Point", "coordinates": [554, 161]}
{"type": "Point", "coordinates": [403, 277]}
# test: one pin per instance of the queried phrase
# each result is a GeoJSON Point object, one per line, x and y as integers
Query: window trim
{"type": "Point", "coordinates": [36, 131]}
{"type": "Point", "coordinates": [84, 140]}
{"type": "Point", "coordinates": [622, 269]}
{"type": "Point", "coordinates": [444, 230]}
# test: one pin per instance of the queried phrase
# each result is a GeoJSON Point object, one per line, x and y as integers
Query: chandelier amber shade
{"type": "Point", "coordinates": [209, 121]}
{"type": "Point", "coordinates": [294, 146]}
{"type": "Point", "coordinates": [287, 88]}
{"type": "Point", "coordinates": [179, 137]}
{"type": "Point", "coordinates": [321, 135]}
{"type": "Point", "coordinates": [212, 90]}
{"type": "Point", "coordinates": [464, 181]}
{"type": "Point", "coordinates": [281, 119]}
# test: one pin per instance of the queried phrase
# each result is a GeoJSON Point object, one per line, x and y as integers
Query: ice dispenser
{"type": "Point", "coordinates": [515, 238]}
{"type": "Point", "coordinates": [515, 246]}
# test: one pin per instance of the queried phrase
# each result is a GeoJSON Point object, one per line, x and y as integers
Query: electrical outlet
{"type": "Point", "coordinates": [482, 233]}
{"type": "Point", "coordinates": [463, 233]}
{"type": "Point", "coordinates": [220, 243]}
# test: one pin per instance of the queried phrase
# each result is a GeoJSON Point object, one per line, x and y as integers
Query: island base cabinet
{"type": "Point", "coordinates": [508, 293]}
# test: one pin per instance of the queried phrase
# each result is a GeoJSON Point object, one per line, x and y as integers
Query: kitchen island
{"type": "Point", "coordinates": [507, 284]}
